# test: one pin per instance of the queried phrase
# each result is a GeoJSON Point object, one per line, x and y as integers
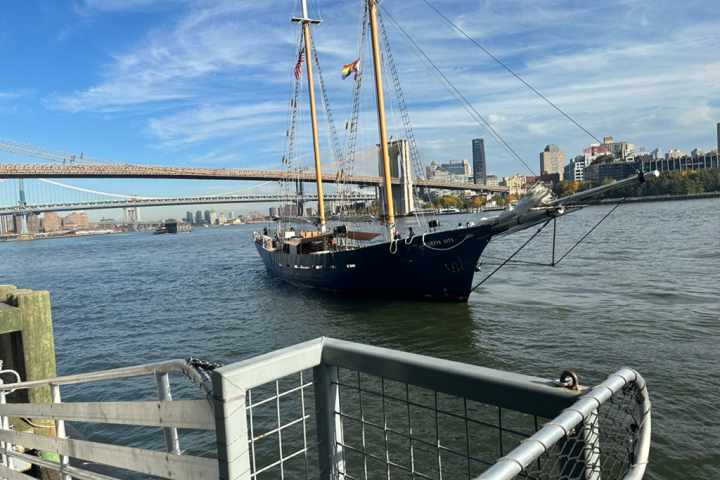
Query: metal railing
{"type": "Point", "coordinates": [330, 409]}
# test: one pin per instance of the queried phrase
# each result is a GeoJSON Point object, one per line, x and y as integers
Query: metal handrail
{"type": "Point", "coordinates": [115, 374]}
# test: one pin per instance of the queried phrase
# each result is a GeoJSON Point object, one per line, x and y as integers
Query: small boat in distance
{"type": "Point", "coordinates": [173, 227]}
{"type": "Point", "coordinates": [448, 211]}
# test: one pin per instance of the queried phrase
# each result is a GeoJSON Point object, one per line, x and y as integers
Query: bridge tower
{"type": "Point", "coordinates": [24, 233]}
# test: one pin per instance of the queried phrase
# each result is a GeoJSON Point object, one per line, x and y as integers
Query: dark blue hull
{"type": "Point", "coordinates": [439, 266]}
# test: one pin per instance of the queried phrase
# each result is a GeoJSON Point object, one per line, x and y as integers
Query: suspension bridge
{"type": "Point", "coordinates": [29, 163]}
{"type": "Point", "coordinates": [29, 209]}
{"type": "Point", "coordinates": [49, 163]}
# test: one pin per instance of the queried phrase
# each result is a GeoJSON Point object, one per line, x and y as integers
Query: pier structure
{"type": "Point", "coordinates": [331, 409]}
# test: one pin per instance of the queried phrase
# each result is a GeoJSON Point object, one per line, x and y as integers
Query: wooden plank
{"type": "Point", "coordinates": [10, 474]}
{"type": "Point", "coordinates": [195, 414]}
{"type": "Point", "coordinates": [161, 464]}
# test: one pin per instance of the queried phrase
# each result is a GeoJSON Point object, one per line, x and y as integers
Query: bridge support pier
{"type": "Point", "coordinates": [400, 167]}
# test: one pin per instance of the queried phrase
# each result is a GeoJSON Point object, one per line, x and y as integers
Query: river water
{"type": "Point", "coordinates": [641, 291]}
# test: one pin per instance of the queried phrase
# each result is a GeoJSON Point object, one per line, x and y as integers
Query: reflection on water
{"type": "Point", "coordinates": [641, 291]}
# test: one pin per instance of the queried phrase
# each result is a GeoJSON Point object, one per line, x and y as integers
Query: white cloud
{"type": "Point", "coordinates": [217, 71]}
{"type": "Point", "coordinates": [214, 121]}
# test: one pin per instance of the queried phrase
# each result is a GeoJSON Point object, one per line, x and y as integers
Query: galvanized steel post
{"type": "Point", "coordinates": [329, 426]}
{"type": "Point", "coordinates": [60, 429]}
{"type": "Point", "coordinates": [172, 443]}
{"type": "Point", "coordinates": [231, 429]}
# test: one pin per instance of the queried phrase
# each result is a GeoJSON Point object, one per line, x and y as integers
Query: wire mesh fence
{"type": "Point", "coordinates": [328, 409]}
{"type": "Point", "coordinates": [603, 446]}
{"type": "Point", "coordinates": [282, 431]}
{"type": "Point", "coordinates": [382, 427]}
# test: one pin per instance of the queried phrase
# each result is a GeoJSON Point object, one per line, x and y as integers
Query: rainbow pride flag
{"type": "Point", "coordinates": [347, 70]}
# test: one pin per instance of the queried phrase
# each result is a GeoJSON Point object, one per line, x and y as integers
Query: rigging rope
{"type": "Point", "coordinates": [467, 105]}
{"type": "Point", "coordinates": [414, 152]}
{"type": "Point", "coordinates": [510, 257]}
{"type": "Point", "coordinates": [598, 224]}
{"type": "Point", "coordinates": [513, 73]}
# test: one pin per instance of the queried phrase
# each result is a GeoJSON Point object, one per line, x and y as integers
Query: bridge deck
{"type": "Point", "coordinates": [28, 170]}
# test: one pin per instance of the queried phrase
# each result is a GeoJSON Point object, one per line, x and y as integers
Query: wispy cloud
{"type": "Point", "coordinates": [216, 71]}
{"type": "Point", "coordinates": [216, 121]}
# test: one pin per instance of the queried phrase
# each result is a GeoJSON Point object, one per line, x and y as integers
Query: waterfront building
{"type": "Point", "coordinates": [514, 184]}
{"type": "Point", "coordinates": [273, 212]}
{"type": "Point", "coordinates": [189, 217]}
{"type": "Point", "coordinates": [51, 222]}
{"type": "Point", "coordinates": [198, 218]}
{"type": "Point", "coordinates": [232, 215]}
{"type": "Point", "coordinates": [552, 160]}
{"type": "Point", "coordinates": [575, 170]}
{"type": "Point", "coordinates": [213, 217]}
{"type": "Point", "coordinates": [76, 221]}
{"type": "Point", "coordinates": [615, 171]}
{"type": "Point", "coordinates": [289, 210]}
{"type": "Point", "coordinates": [479, 162]}
{"type": "Point", "coordinates": [5, 224]}
{"type": "Point", "coordinates": [709, 160]}
{"type": "Point", "coordinates": [675, 154]}
{"type": "Point", "coordinates": [207, 217]}
{"type": "Point", "coordinates": [221, 219]}
{"type": "Point", "coordinates": [546, 178]}
{"type": "Point", "coordinates": [491, 180]}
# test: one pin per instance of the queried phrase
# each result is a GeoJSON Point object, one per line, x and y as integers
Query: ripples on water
{"type": "Point", "coordinates": [641, 291]}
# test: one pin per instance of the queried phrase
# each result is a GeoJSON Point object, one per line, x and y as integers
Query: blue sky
{"type": "Point", "coordinates": [206, 82]}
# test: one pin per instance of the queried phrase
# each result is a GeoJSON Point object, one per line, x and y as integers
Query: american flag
{"type": "Point", "coordinates": [298, 65]}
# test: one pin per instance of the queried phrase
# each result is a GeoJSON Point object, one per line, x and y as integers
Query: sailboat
{"type": "Point", "coordinates": [433, 264]}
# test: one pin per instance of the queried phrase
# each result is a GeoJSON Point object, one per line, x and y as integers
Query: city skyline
{"type": "Point", "coordinates": [176, 82]}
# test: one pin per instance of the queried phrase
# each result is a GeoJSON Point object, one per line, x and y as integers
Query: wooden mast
{"type": "Point", "coordinates": [381, 115]}
{"type": "Point", "coordinates": [306, 21]}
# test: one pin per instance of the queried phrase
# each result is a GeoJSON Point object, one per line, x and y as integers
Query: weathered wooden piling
{"type": "Point", "coordinates": [27, 345]}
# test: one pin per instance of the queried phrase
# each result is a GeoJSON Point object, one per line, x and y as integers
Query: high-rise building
{"type": "Point", "coordinates": [273, 212]}
{"type": "Point", "coordinates": [618, 149]}
{"type": "Point", "coordinates": [457, 168]}
{"type": "Point", "coordinates": [207, 217]}
{"type": "Point", "coordinates": [76, 221]}
{"type": "Point", "coordinates": [213, 217]}
{"type": "Point", "coordinates": [198, 218]}
{"type": "Point", "coordinates": [479, 162]}
{"type": "Point", "coordinates": [51, 222]}
{"type": "Point", "coordinates": [552, 160]}
{"type": "Point", "coordinates": [718, 136]}
{"type": "Point", "coordinates": [189, 217]}
{"type": "Point", "coordinates": [232, 215]}
{"type": "Point", "coordinates": [221, 219]}
{"type": "Point", "coordinates": [289, 210]}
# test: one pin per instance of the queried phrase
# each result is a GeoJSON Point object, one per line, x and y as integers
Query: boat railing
{"type": "Point", "coordinates": [332, 409]}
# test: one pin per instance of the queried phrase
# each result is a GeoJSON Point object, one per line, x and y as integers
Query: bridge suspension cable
{"type": "Point", "coordinates": [99, 193]}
